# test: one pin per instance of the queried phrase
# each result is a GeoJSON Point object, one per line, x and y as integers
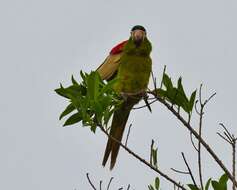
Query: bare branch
{"type": "Point", "coordinates": [87, 175]}
{"type": "Point", "coordinates": [206, 101]}
{"type": "Point", "coordinates": [109, 183]}
{"type": "Point", "coordinates": [191, 138]}
{"type": "Point", "coordinates": [227, 132]}
{"type": "Point", "coordinates": [203, 142]}
{"type": "Point", "coordinates": [196, 107]}
{"type": "Point", "coordinates": [200, 135]}
{"type": "Point", "coordinates": [190, 172]}
{"type": "Point", "coordinates": [129, 128]}
{"type": "Point", "coordinates": [227, 140]}
{"type": "Point", "coordinates": [143, 106]}
{"type": "Point", "coordinates": [128, 187]}
{"type": "Point", "coordinates": [233, 160]}
{"type": "Point", "coordinates": [230, 139]}
{"type": "Point", "coordinates": [200, 94]}
{"type": "Point", "coordinates": [141, 159]}
{"type": "Point", "coordinates": [100, 184]}
{"type": "Point", "coordinates": [178, 171]}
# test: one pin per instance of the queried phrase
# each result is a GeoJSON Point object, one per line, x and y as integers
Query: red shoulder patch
{"type": "Point", "coordinates": [118, 48]}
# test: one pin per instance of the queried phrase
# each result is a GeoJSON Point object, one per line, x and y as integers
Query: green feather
{"type": "Point", "coordinates": [135, 67]}
{"type": "Point", "coordinates": [133, 77]}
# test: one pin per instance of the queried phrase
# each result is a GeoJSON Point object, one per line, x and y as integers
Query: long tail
{"type": "Point", "coordinates": [118, 125]}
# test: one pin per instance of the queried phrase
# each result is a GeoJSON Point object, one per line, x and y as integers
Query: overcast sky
{"type": "Point", "coordinates": [43, 42]}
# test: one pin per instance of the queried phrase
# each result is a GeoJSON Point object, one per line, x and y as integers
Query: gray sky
{"type": "Point", "coordinates": [43, 42]}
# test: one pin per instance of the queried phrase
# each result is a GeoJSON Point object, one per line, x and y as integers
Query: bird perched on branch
{"type": "Point", "coordinates": [130, 63]}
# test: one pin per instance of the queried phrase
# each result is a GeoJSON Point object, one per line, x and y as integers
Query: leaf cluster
{"type": "Point", "coordinates": [217, 185]}
{"type": "Point", "coordinates": [176, 95]}
{"type": "Point", "coordinates": [156, 186]}
{"type": "Point", "coordinates": [92, 101]}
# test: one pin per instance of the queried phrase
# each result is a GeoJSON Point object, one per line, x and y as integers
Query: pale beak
{"type": "Point", "coordinates": [138, 36]}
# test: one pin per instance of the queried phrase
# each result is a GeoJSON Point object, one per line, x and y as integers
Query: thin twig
{"type": "Point", "coordinates": [191, 138]}
{"type": "Point", "coordinates": [228, 133]}
{"type": "Point", "coordinates": [109, 182]}
{"type": "Point", "coordinates": [100, 184]}
{"type": "Point", "coordinates": [230, 139]}
{"type": "Point", "coordinates": [87, 175]}
{"type": "Point", "coordinates": [143, 106]}
{"type": "Point", "coordinates": [153, 79]}
{"type": "Point", "coordinates": [129, 128]}
{"type": "Point", "coordinates": [233, 160]}
{"type": "Point", "coordinates": [128, 187]}
{"type": "Point", "coordinates": [178, 171]}
{"type": "Point", "coordinates": [190, 172]}
{"type": "Point", "coordinates": [206, 101]}
{"type": "Point", "coordinates": [200, 94]}
{"type": "Point", "coordinates": [200, 135]}
{"type": "Point", "coordinates": [227, 140]}
{"type": "Point", "coordinates": [141, 159]}
{"type": "Point", "coordinates": [196, 107]}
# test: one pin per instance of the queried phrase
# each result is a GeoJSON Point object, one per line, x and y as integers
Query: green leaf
{"type": "Point", "coordinates": [68, 110]}
{"type": "Point", "coordinates": [74, 81]}
{"type": "Point", "coordinates": [75, 118]}
{"type": "Point", "coordinates": [216, 185]}
{"type": "Point", "coordinates": [93, 81]}
{"type": "Point", "coordinates": [83, 76]}
{"type": "Point", "coordinates": [171, 94]}
{"type": "Point", "coordinates": [193, 187]}
{"type": "Point", "coordinates": [61, 91]}
{"type": "Point", "coordinates": [223, 181]}
{"type": "Point", "coordinates": [157, 183]}
{"type": "Point", "coordinates": [94, 99]}
{"type": "Point", "coordinates": [160, 92]}
{"type": "Point", "coordinates": [208, 184]}
{"type": "Point", "coordinates": [167, 81]}
{"type": "Point", "coordinates": [154, 156]}
{"type": "Point", "coordinates": [107, 115]}
{"type": "Point", "coordinates": [192, 100]}
{"type": "Point", "coordinates": [180, 87]}
{"type": "Point", "coordinates": [108, 86]}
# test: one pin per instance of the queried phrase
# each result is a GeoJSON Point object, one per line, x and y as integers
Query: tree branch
{"type": "Point", "coordinates": [203, 142]}
{"type": "Point", "coordinates": [230, 139]}
{"type": "Point", "coordinates": [141, 159]}
{"type": "Point", "coordinates": [189, 170]}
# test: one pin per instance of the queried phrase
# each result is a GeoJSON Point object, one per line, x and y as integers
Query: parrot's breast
{"type": "Point", "coordinates": [133, 75]}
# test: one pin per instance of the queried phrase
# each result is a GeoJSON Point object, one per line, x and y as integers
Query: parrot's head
{"type": "Point", "coordinates": [138, 34]}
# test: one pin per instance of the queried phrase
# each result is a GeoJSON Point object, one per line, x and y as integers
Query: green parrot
{"type": "Point", "coordinates": [130, 63]}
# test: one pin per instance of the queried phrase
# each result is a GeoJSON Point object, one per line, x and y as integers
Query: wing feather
{"type": "Point", "coordinates": [109, 67]}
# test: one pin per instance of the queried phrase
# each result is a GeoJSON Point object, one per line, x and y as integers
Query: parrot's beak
{"type": "Point", "coordinates": [138, 36]}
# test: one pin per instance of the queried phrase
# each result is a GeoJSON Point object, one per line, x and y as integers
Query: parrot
{"type": "Point", "coordinates": [130, 64]}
